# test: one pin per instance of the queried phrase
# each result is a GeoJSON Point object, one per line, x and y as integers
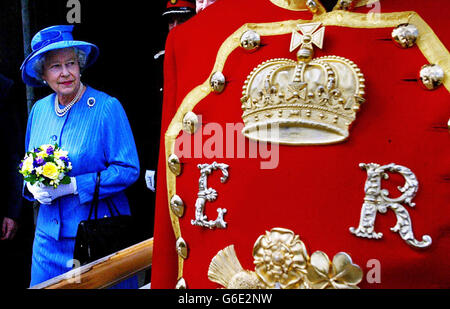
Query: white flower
{"type": "Point", "coordinates": [59, 163]}
{"type": "Point", "coordinates": [61, 153]}
{"type": "Point", "coordinates": [28, 164]}
{"type": "Point", "coordinates": [44, 147]}
{"type": "Point", "coordinates": [39, 170]}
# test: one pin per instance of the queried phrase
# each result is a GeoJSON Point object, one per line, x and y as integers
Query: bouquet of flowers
{"type": "Point", "coordinates": [47, 165]}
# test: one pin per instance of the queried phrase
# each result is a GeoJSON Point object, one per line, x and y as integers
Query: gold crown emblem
{"type": "Point", "coordinates": [304, 102]}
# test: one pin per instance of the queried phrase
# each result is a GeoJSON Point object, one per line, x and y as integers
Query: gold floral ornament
{"type": "Point", "coordinates": [281, 261]}
{"type": "Point", "coordinates": [340, 274]}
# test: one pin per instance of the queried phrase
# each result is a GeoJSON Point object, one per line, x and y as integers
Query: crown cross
{"type": "Point", "coordinates": [310, 35]}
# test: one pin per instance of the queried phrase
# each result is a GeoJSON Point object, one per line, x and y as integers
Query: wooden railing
{"type": "Point", "coordinates": [106, 271]}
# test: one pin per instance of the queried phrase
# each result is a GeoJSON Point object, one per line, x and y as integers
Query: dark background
{"type": "Point", "coordinates": [128, 34]}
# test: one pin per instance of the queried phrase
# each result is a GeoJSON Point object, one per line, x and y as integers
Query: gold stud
{"type": "Point", "coordinates": [217, 82]}
{"type": "Point", "coordinates": [174, 164]}
{"type": "Point", "coordinates": [181, 284]}
{"type": "Point", "coordinates": [346, 5]}
{"type": "Point", "coordinates": [312, 6]}
{"type": "Point", "coordinates": [405, 35]}
{"type": "Point", "coordinates": [181, 247]}
{"type": "Point", "coordinates": [250, 40]}
{"type": "Point", "coordinates": [177, 206]}
{"type": "Point", "coordinates": [431, 76]}
{"type": "Point", "coordinates": [190, 123]}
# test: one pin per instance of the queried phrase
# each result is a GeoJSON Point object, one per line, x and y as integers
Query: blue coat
{"type": "Point", "coordinates": [98, 138]}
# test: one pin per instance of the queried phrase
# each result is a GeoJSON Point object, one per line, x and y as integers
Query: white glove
{"type": "Point", "coordinates": [150, 179]}
{"type": "Point", "coordinates": [45, 195]}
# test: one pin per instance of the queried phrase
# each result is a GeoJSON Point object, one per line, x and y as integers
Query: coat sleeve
{"type": "Point", "coordinates": [119, 150]}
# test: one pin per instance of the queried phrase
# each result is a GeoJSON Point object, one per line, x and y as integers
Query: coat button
{"type": "Point", "coordinates": [53, 138]}
{"type": "Point", "coordinates": [431, 76]}
{"type": "Point", "coordinates": [190, 122]}
{"type": "Point", "coordinates": [217, 82]}
{"type": "Point", "coordinates": [405, 35]}
{"type": "Point", "coordinates": [250, 40]}
{"type": "Point", "coordinates": [174, 164]}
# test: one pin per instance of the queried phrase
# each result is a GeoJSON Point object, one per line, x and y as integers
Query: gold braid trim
{"type": "Point", "coordinates": [428, 43]}
{"type": "Point", "coordinates": [195, 96]}
{"type": "Point", "coordinates": [298, 5]}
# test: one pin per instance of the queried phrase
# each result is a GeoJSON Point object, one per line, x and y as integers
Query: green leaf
{"type": "Point", "coordinates": [65, 180]}
{"type": "Point", "coordinates": [28, 179]}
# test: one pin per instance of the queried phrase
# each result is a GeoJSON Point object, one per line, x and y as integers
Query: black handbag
{"type": "Point", "coordinates": [99, 237]}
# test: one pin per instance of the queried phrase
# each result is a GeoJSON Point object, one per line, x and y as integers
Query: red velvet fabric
{"type": "Point", "coordinates": [315, 191]}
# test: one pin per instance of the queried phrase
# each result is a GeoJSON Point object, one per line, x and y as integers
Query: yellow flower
{"type": "Point", "coordinates": [50, 170]}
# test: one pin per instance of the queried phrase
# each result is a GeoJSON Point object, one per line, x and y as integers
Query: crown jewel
{"type": "Point", "coordinates": [308, 101]}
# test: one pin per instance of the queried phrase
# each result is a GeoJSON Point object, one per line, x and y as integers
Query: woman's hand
{"type": "Point", "coordinates": [46, 195]}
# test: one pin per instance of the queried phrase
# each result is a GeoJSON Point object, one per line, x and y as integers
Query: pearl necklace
{"type": "Point", "coordinates": [62, 111]}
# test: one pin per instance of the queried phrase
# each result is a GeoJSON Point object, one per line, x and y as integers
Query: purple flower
{"type": "Point", "coordinates": [20, 165]}
{"type": "Point", "coordinates": [50, 150]}
{"type": "Point", "coordinates": [65, 159]}
{"type": "Point", "coordinates": [38, 162]}
{"type": "Point", "coordinates": [36, 150]}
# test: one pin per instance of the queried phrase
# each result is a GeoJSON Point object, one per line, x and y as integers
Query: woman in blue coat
{"type": "Point", "coordinates": [93, 128]}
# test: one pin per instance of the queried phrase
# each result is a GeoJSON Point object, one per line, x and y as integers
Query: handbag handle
{"type": "Point", "coordinates": [95, 200]}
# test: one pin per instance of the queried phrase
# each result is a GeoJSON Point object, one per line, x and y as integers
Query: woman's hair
{"type": "Point", "coordinates": [38, 66]}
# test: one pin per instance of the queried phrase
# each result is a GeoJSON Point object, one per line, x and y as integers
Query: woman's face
{"type": "Point", "coordinates": [62, 72]}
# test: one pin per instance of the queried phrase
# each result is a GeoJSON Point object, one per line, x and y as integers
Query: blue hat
{"type": "Point", "coordinates": [51, 38]}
